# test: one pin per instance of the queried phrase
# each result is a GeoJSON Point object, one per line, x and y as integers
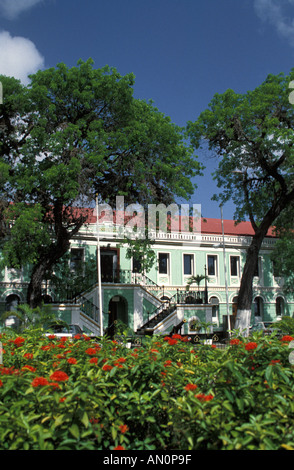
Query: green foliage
{"type": "Point", "coordinates": [72, 133]}
{"type": "Point", "coordinates": [141, 251]}
{"type": "Point", "coordinates": [252, 134]}
{"type": "Point", "coordinates": [283, 253]}
{"type": "Point", "coordinates": [86, 394]}
{"type": "Point", "coordinates": [286, 325]}
{"type": "Point", "coordinates": [66, 282]}
{"type": "Point", "coordinates": [26, 235]}
{"type": "Point", "coordinates": [33, 318]}
{"type": "Point", "coordinates": [196, 279]}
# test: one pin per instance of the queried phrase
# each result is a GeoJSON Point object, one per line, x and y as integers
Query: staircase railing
{"type": "Point", "coordinates": [169, 306]}
{"type": "Point", "coordinates": [160, 313]}
{"type": "Point", "coordinates": [89, 309]}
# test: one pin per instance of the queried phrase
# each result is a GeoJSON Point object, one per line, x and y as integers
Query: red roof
{"type": "Point", "coordinates": [230, 227]}
{"type": "Point", "coordinates": [208, 226]}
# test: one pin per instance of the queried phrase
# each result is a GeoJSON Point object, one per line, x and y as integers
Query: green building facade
{"type": "Point", "coordinates": [161, 299]}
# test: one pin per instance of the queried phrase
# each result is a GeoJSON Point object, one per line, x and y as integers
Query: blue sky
{"type": "Point", "coordinates": [182, 52]}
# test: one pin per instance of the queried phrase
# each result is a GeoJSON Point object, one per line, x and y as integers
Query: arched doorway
{"type": "Point", "coordinates": [214, 301]}
{"type": "Point", "coordinates": [117, 311]}
{"type": "Point", "coordinates": [280, 307]}
{"type": "Point", "coordinates": [11, 303]}
{"type": "Point", "coordinates": [258, 309]}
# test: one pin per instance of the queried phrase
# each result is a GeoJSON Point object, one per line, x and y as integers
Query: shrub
{"type": "Point", "coordinates": [168, 394]}
{"type": "Point", "coordinates": [286, 324]}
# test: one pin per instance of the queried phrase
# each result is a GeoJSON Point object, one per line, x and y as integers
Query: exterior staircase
{"type": "Point", "coordinates": [160, 313]}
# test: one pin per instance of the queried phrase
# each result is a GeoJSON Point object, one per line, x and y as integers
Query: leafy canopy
{"type": "Point", "coordinates": [70, 134]}
{"type": "Point", "coordinates": [252, 134]}
{"type": "Point", "coordinates": [77, 131]}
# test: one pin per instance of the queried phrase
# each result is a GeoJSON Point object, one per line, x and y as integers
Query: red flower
{"type": "Point", "coordinates": [235, 342]}
{"type": "Point", "coordinates": [63, 339]}
{"type": "Point", "coordinates": [119, 447]}
{"type": "Point", "coordinates": [171, 341]}
{"type": "Point", "coordinates": [190, 387]}
{"type": "Point", "coordinates": [93, 360]}
{"type": "Point", "coordinates": [250, 346]}
{"type": "Point", "coordinates": [167, 363]}
{"type": "Point", "coordinates": [121, 359]}
{"type": "Point", "coordinates": [8, 370]}
{"type": "Point", "coordinates": [54, 384]}
{"type": "Point", "coordinates": [275, 361]}
{"type": "Point", "coordinates": [91, 351]}
{"type": "Point", "coordinates": [19, 341]}
{"type": "Point", "coordinates": [1, 383]}
{"type": "Point", "coordinates": [28, 355]}
{"type": "Point", "coordinates": [72, 360]}
{"type": "Point", "coordinates": [59, 376]}
{"type": "Point", "coordinates": [30, 368]}
{"type": "Point", "coordinates": [123, 428]}
{"type": "Point", "coordinates": [61, 400]}
{"type": "Point", "coordinates": [185, 339]}
{"type": "Point", "coordinates": [94, 420]}
{"type": "Point", "coordinates": [106, 367]}
{"type": "Point", "coordinates": [203, 397]}
{"type": "Point", "coordinates": [287, 338]}
{"type": "Point", "coordinates": [39, 381]}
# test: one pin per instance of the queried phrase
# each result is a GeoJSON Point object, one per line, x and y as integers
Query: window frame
{"type": "Point", "coordinates": [167, 273]}
{"type": "Point", "coordinates": [215, 275]}
{"type": "Point", "coordinates": [74, 262]}
{"type": "Point", "coordinates": [192, 264]}
{"type": "Point", "coordinates": [238, 267]}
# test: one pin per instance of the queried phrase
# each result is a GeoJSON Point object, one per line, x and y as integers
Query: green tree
{"type": "Point", "coordinates": [27, 317]}
{"type": "Point", "coordinates": [72, 133]}
{"type": "Point", "coordinates": [252, 135]}
{"type": "Point", "coordinates": [283, 253]}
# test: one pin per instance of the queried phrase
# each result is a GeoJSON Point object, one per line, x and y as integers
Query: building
{"type": "Point", "coordinates": [161, 299]}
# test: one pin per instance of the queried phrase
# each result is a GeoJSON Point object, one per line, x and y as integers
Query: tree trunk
{"type": "Point", "coordinates": [246, 287]}
{"type": "Point", "coordinates": [45, 264]}
{"type": "Point", "coordinates": [34, 294]}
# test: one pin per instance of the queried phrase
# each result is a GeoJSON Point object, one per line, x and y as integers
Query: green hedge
{"type": "Point", "coordinates": [165, 395]}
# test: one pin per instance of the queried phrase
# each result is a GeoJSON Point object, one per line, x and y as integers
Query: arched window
{"type": "Point", "coordinates": [215, 307]}
{"type": "Point", "coordinates": [280, 306]}
{"type": "Point", "coordinates": [258, 307]}
{"type": "Point", "coordinates": [11, 303]}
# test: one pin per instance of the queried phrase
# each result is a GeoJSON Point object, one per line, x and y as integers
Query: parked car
{"type": "Point", "coordinates": [62, 330]}
{"type": "Point", "coordinates": [266, 327]}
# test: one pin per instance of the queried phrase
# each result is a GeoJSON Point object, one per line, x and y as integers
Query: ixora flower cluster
{"type": "Point", "coordinates": [167, 393]}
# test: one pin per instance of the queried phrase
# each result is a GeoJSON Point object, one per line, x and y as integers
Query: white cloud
{"type": "Point", "coordinates": [12, 8]}
{"type": "Point", "coordinates": [276, 13]}
{"type": "Point", "coordinates": [19, 57]}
